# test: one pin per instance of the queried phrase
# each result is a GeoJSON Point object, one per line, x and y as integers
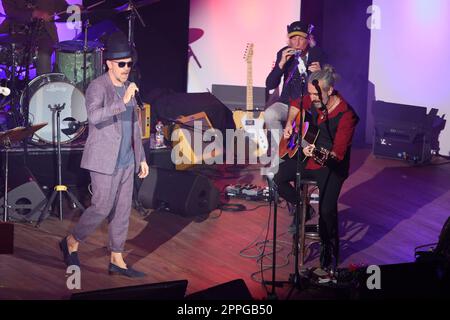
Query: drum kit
{"type": "Point", "coordinates": [77, 63]}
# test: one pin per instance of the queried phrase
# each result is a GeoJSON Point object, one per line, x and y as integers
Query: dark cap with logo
{"type": "Point", "coordinates": [298, 28]}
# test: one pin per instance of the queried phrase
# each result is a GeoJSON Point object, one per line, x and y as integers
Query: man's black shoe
{"type": "Point", "coordinates": [130, 272]}
{"type": "Point", "coordinates": [69, 258]}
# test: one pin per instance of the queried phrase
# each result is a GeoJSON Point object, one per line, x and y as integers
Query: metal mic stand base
{"type": "Point", "coordinates": [59, 188]}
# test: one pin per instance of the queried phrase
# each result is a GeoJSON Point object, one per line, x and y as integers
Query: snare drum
{"type": "Point", "coordinates": [48, 90]}
{"type": "Point", "coordinates": [69, 60]}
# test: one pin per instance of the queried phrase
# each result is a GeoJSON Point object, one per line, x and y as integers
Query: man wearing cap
{"type": "Point", "coordinates": [299, 57]}
{"type": "Point", "coordinates": [113, 153]}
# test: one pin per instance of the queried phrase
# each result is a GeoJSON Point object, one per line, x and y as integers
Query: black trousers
{"type": "Point", "coordinates": [330, 185]}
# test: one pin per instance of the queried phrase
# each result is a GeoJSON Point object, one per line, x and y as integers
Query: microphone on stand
{"type": "Point", "coordinates": [315, 83]}
{"type": "Point", "coordinates": [271, 184]}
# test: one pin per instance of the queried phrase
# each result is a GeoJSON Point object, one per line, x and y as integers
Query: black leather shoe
{"type": "Point", "coordinates": [69, 258]}
{"type": "Point", "coordinates": [130, 272]}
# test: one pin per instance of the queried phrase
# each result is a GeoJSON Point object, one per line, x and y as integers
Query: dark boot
{"type": "Point", "coordinates": [325, 255]}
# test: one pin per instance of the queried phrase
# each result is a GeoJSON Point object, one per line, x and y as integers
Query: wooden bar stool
{"type": "Point", "coordinates": [308, 234]}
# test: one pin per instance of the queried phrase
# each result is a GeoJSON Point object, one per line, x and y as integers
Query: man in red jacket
{"type": "Point", "coordinates": [336, 121]}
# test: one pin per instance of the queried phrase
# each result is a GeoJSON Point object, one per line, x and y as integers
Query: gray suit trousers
{"type": "Point", "coordinates": [112, 198]}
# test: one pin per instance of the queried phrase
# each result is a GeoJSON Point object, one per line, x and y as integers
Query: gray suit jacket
{"type": "Point", "coordinates": [105, 128]}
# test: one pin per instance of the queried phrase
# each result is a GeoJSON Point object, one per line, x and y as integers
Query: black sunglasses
{"type": "Point", "coordinates": [122, 64]}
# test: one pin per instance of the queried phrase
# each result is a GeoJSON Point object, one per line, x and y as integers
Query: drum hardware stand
{"type": "Point", "coordinates": [60, 188]}
{"type": "Point", "coordinates": [7, 138]}
{"type": "Point", "coordinates": [131, 24]}
{"type": "Point", "coordinates": [14, 91]}
{"type": "Point", "coordinates": [85, 50]}
{"type": "Point", "coordinates": [31, 45]}
{"type": "Point", "coordinates": [131, 20]}
{"type": "Point", "coordinates": [6, 206]}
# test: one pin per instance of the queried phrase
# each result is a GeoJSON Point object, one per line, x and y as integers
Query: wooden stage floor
{"type": "Point", "coordinates": [387, 208]}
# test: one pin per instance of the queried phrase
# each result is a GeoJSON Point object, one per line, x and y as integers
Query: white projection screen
{"type": "Point", "coordinates": [220, 31]}
{"type": "Point", "coordinates": [410, 57]}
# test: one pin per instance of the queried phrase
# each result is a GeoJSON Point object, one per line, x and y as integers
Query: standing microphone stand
{"type": "Point", "coordinates": [60, 188]}
{"type": "Point", "coordinates": [273, 197]}
{"type": "Point", "coordinates": [294, 278]}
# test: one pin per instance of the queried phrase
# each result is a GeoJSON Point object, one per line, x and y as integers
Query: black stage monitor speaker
{"type": "Point", "coordinates": [403, 132]}
{"type": "Point", "coordinates": [24, 195]}
{"type": "Point", "coordinates": [181, 192]}
{"type": "Point", "coordinates": [233, 290]}
{"type": "Point", "coordinates": [235, 97]}
{"type": "Point", "coordinates": [172, 290]}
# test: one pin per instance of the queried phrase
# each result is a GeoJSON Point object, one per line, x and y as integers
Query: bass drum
{"type": "Point", "coordinates": [48, 90]}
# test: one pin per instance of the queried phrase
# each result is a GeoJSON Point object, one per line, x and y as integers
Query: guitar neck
{"type": "Point", "coordinates": [249, 86]}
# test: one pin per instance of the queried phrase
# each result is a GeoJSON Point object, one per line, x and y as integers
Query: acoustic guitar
{"type": "Point", "coordinates": [310, 133]}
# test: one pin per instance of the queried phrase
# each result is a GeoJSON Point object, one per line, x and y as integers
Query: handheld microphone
{"type": "Point", "coordinates": [137, 96]}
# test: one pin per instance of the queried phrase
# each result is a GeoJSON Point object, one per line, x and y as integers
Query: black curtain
{"type": "Point", "coordinates": [341, 31]}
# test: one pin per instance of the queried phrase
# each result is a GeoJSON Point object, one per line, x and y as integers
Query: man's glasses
{"type": "Point", "coordinates": [122, 64]}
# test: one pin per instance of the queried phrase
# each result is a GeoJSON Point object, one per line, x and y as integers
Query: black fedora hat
{"type": "Point", "coordinates": [117, 47]}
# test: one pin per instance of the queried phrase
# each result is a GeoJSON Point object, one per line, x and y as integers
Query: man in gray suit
{"type": "Point", "coordinates": [113, 153]}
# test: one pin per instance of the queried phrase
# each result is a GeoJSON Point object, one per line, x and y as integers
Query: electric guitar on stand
{"type": "Point", "coordinates": [250, 120]}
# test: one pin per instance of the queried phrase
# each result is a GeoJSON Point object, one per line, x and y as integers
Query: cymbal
{"type": "Point", "coordinates": [96, 15]}
{"type": "Point", "coordinates": [138, 4]}
{"type": "Point", "coordinates": [20, 133]}
{"type": "Point", "coordinates": [195, 34]}
{"type": "Point", "coordinates": [99, 31]}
